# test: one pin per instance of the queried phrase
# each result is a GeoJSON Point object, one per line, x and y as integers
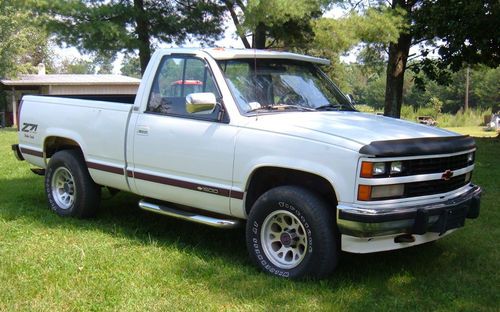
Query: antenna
{"type": "Point", "coordinates": [255, 72]}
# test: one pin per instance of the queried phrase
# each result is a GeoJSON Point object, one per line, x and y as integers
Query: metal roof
{"type": "Point", "coordinates": [70, 79]}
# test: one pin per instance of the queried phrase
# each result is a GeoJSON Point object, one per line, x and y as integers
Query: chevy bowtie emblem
{"type": "Point", "coordinates": [447, 175]}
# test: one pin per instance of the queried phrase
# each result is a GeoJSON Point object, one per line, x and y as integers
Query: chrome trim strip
{"type": "Point", "coordinates": [397, 158]}
{"type": "Point", "coordinates": [412, 178]}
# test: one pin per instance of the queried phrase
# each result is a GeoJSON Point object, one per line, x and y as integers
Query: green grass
{"type": "Point", "coordinates": [473, 131]}
{"type": "Point", "coordinates": [470, 118]}
{"type": "Point", "coordinates": [130, 260]}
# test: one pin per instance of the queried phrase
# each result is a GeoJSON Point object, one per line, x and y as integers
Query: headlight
{"type": "Point", "coordinates": [378, 169]}
{"type": "Point", "coordinates": [396, 167]}
{"type": "Point", "coordinates": [381, 169]}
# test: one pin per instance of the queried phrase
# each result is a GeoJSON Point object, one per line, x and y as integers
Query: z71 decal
{"type": "Point", "coordinates": [29, 130]}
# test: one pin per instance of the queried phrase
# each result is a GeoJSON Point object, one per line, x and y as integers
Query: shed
{"type": "Point", "coordinates": [61, 85]}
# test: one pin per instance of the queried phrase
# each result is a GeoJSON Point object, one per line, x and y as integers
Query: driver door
{"type": "Point", "coordinates": [178, 156]}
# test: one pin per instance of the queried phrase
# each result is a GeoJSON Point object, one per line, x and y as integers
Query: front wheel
{"type": "Point", "coordinates": [291, 233]}
{"type": "Point", "coordinates": [69, 188]}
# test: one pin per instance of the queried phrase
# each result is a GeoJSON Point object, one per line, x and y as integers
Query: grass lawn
{"type": "Point", "coordinates": [475, 131]}
{"type": "Point", "coordinates": [131, 260]}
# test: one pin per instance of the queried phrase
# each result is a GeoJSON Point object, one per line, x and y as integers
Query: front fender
{"type": "Point", "coordinates": [334, 164]}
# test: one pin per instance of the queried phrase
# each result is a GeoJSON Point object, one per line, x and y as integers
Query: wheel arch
{"type": "Point", "coordinates": [265, 178]}
{"type": "Point", "coordinates": [53, 144]}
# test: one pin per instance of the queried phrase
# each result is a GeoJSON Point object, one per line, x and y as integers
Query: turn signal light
{"type": "Point", "coordinates": [366, 169]}
{"type": "Point", "coordinates": [364, 192]}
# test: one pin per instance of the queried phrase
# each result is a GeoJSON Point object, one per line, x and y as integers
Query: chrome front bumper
{"type": "Point", "coordinates": [437, 217]}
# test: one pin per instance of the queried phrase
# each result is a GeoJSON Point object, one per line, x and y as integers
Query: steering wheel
{"type": "Point", "coordinates": [291, 98]}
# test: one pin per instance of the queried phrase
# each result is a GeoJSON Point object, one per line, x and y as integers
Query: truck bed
{"type": "Point", "coordinates": [98, 127]}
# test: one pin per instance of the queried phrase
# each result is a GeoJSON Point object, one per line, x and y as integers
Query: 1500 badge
{"type": "Point", "coordinates": [207, 189]}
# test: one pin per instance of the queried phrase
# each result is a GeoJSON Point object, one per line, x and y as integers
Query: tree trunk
{"type": "Point", "coordinates": [466, 101]}
{"type": "Point", "coordinates": [234, 16]}
{"type": "Point", "coordinates": [142, 30]}
{"type": "Point", "coordinates": [259, 37]}
{"type": "Point", "coordinates": [398, 57]}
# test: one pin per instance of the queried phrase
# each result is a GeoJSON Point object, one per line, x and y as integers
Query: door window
{"type": "Point", "coordinates": [177, 77]}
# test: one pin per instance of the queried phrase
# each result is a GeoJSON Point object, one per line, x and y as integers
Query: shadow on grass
{"type": "Point", "coordinates": [459, 272]}
{"type": "Point", "coordinates": [394, 279]}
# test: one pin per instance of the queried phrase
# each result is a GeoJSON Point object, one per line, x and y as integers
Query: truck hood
{"type": "Point", "coordinates": [358, 129]}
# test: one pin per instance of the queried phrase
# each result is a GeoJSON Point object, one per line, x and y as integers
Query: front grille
{"type": "Point", "coordinates": [435, 165]}
{"type": "Point", "coordinates": [424, 166]}
{"type": "Point", "coordinates": [432, 187]}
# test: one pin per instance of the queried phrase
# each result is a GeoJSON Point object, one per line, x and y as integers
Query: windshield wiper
{"type": "Point", "coordinates": [281, 107]}
{"type": "Point", "coordinates": [330, 107]}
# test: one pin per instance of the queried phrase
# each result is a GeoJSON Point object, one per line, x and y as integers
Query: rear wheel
{"type": "Point", "coordinates": [69, 188]}
{"type": "Point", "coordinates": [291, 233]}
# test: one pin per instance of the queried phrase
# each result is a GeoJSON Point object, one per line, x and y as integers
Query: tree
{"type": "Point", "coordinates": [485, 86]}
{"type": "Point", "coordinates": [131, 66]}
{"type": "Point", "coordinates": [461, 32]}
{"type": "Point", "coordinates": [372, 31]}
{"type": "Point", "coordinates": [23, 45]}
{"type": "Point", "coordinates": [90, 65]}
{"type": "Point", "coordinates": [340, 35]}
{"type": "Point", "coordinates": [104, 63]}
{"type": "Point", "coordinates": [396, 65]}
{"type": "Point", "coordinates": [275, 23]}
{"type": "Point", "coordinates": [76, 66]}
{"type": "Point", "coordinates": [111, 26]}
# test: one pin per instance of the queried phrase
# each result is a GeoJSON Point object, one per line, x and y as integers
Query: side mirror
{"type": "Point", "coordinates": [203, 103]}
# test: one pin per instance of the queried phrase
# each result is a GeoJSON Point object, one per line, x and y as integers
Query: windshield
{"type": "Point", "coordinates": [280, 85]}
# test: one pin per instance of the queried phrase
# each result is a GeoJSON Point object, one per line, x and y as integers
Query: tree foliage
{"type": "Point", "coordinates": [462, 32]}
{"type": "Point", "coordinates": [76, 66]}
{"type": "Point", "coordinates": [275, 23]}
{"type": "Point", "coordinates": [131, 66]}
{"type": "Point", "coordinates": [368, 88]}
{"type": "Point", "coordinates": [370, 31]}
{"type": "Point", "coordinates": [110, 26]}
{"type": "Point", "coordinates": [90, 65]}
{"type": "Point", "coordinates": [23, 45]}
{"type": "Point", "coordinates": [372, 27]}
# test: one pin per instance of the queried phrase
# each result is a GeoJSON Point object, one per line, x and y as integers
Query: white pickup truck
{"type": "Point", "coordinates": [223, 136]}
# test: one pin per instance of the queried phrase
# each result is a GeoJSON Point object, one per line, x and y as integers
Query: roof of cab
{"type": "Point", "coordinates": [228, 54]}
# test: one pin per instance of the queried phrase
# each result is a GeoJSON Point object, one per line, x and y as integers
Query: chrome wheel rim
{"type": "Point", "coordinates": [63, 188]}
{"type": "Point", "coordinates": [284, 239]}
